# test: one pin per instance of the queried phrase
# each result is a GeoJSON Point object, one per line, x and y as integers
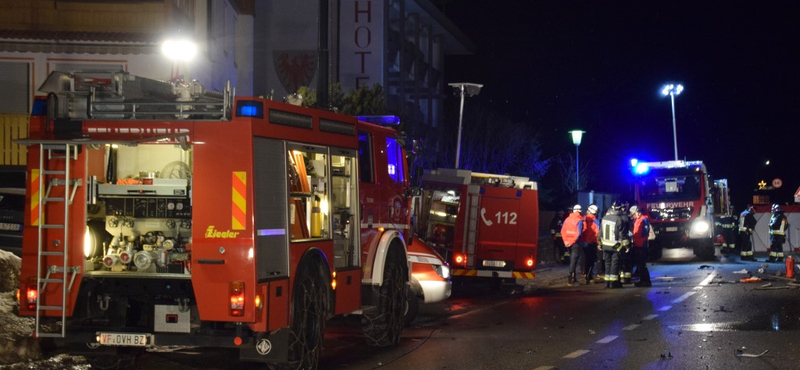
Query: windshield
{"type": "Point", "coordinates": [679, 187]}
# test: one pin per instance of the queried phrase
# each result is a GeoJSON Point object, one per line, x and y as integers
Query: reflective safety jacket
{"type": "Point", "coordinates": [614, 230]}
{"type": "Point", "coordinates": [590, 229]}
{"type": "Point", "coordinates": [778, 224]}
{"type": "Point", "coordinates": [747, 222]}
{"type": "Point", "coordinates": [641, 231]}
{"type": "Point", "coordinates": [571, 231]}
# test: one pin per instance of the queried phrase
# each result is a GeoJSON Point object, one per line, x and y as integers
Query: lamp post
{"type": "Point", "coordinates": [463, 89]}
{"type": "Point", "coordinates": [576, 139]}
{"type": "Point", "coordinates": [673, 90]}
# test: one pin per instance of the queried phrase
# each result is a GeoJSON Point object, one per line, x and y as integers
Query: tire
{"type": "Point", "coordinates": [704, 249]}
{"type": "Point", "coordinates": [654, 252]}
{"type": "Point", "coordinates": [382, 327]}
{"type": "Point", "coordinates": [309, 311]}
{"type": "Point", "coordinates": [412, 307]}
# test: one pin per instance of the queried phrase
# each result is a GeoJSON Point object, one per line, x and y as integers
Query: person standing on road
{"type": "Point", "coordinates": [613, 238]}
{"type": "Point", "coordinates": [589, 242]}
{"type": "Point", "coordinates": [625, 257]}
{"type": "Point", "coordinates": [777, 234]}
{"type": "Point", "coordinates": [561, 253]}
{"type": "Point", "coordinates": [747, 222]}
{"type": "Point", "coordinates": [641, 232]}
{"type": "Point", "coordinates": [571, 233]}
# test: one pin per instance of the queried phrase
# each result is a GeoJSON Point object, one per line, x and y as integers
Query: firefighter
{"type": "Point", "coordinates": [589, 242]}
{"type": "Point", "coordinates": [641, 232]}
{"type": "Point", "coordinates": [747, 222]}
{"type": "Point", "coordinates": [561, 252]}
{"type": "Point", "coordinates": [613, 239]}
{"type": "Point", "coordinates": [727, 226]}
{"type": "Point", "coordinates": [625, 257]}
{"type": "Point", "coordinates": [570, 233]}
{"type": "Point", "coordinates": [777, 234]}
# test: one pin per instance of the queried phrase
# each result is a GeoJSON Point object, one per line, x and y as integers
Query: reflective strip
{"type": "Point", "coordinates": [34, 197]}
{"type": "Point", "coordinates": [385, 226]}
{"type": "Point", "coordinates": [780, 254]}
{"type": "Point", "coordinates": [238, 200]}
{"type": "Point", "coordinates": [488, 273]}
{"type": "Point", "coordinates": [772, 254]}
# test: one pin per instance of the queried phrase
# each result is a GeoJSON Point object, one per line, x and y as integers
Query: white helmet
{"type": "Point", "coordinates": [634, 209]}
{"type": "Point", "coordinates": [577, 208]}
{"type": "Point", "coordinates": [592, 209]}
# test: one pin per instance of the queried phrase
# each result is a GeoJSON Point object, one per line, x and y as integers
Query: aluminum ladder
{"type": "Point", "coordinates": [48, 179]}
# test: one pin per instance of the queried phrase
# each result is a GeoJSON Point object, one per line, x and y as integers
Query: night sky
{"type": "Point", "coordinates": [599, 66]}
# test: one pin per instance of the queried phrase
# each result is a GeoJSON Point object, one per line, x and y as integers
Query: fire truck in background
{"type": "Point", "coordinates": [678, 197]}
{"type": "Point", "coordinates": [485, 225]}
{"type": "Point", "coordinates": [264, 220]}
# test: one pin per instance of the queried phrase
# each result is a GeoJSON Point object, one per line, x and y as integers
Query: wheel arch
{"type": "Point", "coordinates": [387, 240]}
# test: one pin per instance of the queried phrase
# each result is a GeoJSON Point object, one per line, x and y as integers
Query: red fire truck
{"type": "Point", "coordinates": [165, 214]}
{"type": "Point", "coordinates": [678, 198]}
{"type": "Point", "coordinates": [485, 225]}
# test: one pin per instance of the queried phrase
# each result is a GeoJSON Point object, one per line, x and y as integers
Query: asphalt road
{"type": "Point", "coordinates": [697, 315]}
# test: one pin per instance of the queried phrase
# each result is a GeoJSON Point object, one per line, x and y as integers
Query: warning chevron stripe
{"type": "Point", "coordinates": [239, 200]}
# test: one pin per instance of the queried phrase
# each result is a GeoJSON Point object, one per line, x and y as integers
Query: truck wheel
{"type": "Point", "coordinates": [382, 327]}
{"type": "Point", "coordinates": [654, 252]}
{"type": "Point", "coordinates": [308, 320]}
{"type": "Point", "coordinates": [704, 249]}
{"type": "Point", "coordinates": [412, 307]}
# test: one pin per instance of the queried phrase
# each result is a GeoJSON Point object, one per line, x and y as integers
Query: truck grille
{"type": "Point", "coordinates": [671, 214]}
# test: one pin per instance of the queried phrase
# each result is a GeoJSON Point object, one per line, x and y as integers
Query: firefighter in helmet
{"type": "Point", "coordinates": [747, 222]}
{"type": "Point", "coordinates": [589, 241]}
{"type": "Point", "coordinates": [613, 240]}
{"type": "Point", "coordinates": [571, 233]}
{"type": "Point", "coordinates": [641, 232]}
{"type": "Point", "coordinates": [561, 253]}
{"type": "Point", "coordinates": [777, 234]}
{"type": "Point", "coordinates": [625, 256]}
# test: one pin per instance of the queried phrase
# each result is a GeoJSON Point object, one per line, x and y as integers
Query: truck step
{"type": "Point", "coordinates": [49, 335]}
{"type": "Point", "coordinates": [51, 308]}
{"type": "Point", "coordinates": [53, 226]}
{"type": "Point", "coordinates": [46, 253]}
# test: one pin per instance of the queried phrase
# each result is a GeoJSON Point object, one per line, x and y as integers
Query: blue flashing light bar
{"type": "Point", "coordinates": [641, 168]}
{"type": "Point", "coordinates": [250, 108]}
{"type": "Point", "coordinates": [381, 120]}
{"type": "Point", "coordinates": [634, 162]}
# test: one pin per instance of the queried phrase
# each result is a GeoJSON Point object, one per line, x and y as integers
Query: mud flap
{"type": "Point", "coordinates": [266, 347]}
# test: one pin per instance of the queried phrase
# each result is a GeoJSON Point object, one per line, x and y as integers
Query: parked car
{"type": "Point", "coordinates": [12, 208]}
{"type": "Point", "coordinates": [430, 277]}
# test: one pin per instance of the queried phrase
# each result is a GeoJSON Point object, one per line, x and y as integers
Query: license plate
{"type": "Point", "coordinates": [494, 263]}
{"type": "Point", "coordinates": [11, 227]}
{"type": "Point", "coordinates": [672, 228]}
{"type": "Point", "coordinates": [124, 339]}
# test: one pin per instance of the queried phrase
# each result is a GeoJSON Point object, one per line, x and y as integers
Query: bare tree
{"type": "Point", "coordinates": [569, 181]}
{"type": "Point", "coordinates": [493, 143]}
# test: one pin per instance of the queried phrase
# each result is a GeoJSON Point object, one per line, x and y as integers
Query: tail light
{"type": "Point", "coordinates": [30, 297]}
{"type": "Point", "coordinates": [529, 262]}
{"type": "Point", "coordinates": [461, 259]}
{"type": "Point", "coordinates": [237, 298]}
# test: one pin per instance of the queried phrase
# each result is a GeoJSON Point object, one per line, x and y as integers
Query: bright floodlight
{"type": "Point", "coordinates": [634, 161]}
{"type": "Point", "coordinates": [672, 89]}
{"type": "Point", "coordinates": [179, 49]}
{"type": "Point", "coordinates": [576, 136]}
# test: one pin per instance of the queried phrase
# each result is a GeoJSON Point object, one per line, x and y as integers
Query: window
{"type": "Point", "coordinates": [16, 92]}
{"type": "Point", "coordinates": [365, 157]}
{"type": "Point", "coordinates": [394, 155]}
{"type": "Point", "coordinates": [307, 169]}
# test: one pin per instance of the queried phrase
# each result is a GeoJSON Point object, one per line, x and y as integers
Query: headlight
{"type": "Point", "coordinates": [699, 227]}
{"type": "Point", "coordinates": [89, 243]}
{"type": "Point", "coordinates": [442, 271]}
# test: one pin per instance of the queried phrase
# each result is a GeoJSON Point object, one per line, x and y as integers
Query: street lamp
{"type": "Point", "coordinates": [576, 139]}
{"type": "Point", "coordinates": [463, 89]}
{"type": "Point", "coordinates": [673, 90]}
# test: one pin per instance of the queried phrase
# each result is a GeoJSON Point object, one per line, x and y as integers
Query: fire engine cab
{"type": "Point", "coordinates": [677, 197]}
{"type": "Point", "coordinates": [486, 225]}
{"type": "Point", "coordinates": [165, 214]}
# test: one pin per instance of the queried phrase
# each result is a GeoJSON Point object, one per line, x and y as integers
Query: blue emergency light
{"type": "Point", "coordinates": [381, 120]}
